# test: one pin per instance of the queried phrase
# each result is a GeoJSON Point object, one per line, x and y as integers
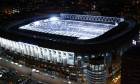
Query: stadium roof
{"type": "Point", "coordinates": [125, 31]}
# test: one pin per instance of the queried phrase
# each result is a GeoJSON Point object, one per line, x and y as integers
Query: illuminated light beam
{"type": "Point", "coordinates": [37, 23]}
{"type": "Point", "coordinates": [54, 18]}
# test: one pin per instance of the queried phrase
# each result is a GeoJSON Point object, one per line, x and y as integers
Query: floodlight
{"type": "Point", "coordinates": [54, 18]}
{"type": "Point", "coordinates": [37, 23]}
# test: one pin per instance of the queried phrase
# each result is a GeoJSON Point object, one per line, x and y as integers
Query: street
{"type": "Point", "coordinates": [39, 76]}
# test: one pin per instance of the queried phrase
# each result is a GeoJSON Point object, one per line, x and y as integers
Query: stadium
{"type": "Point", "coordinates": [73, 46]}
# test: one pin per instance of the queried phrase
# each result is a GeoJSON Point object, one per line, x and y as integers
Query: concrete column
{"type": "Point", "coordinates": [43, 54]}
{"type": "Point", "coordinates": [28, 51]}
{"type": "Point", "coordinates": [24, 47]}
{"type": "Point", "coordinates": [54, 56]}
{"type": "Point", "coordinates": [36, 52]}
{"type": "Point", "coordinates": [8, 44]}
{"type": "Point", "coordinates": [18, 47]}
{"type": "Point", "coordinates": [64, 58]}
{"type": "Point", "coordinates": [1, 42]}
{"type": "Point", "coordinates": [31, 50]}
{"type": "Point", "coordinates": [14, 46]}
{"type": "Point", "coordinates": [57, 56]}
{"type": "Point", "coordinates": [39, 52]}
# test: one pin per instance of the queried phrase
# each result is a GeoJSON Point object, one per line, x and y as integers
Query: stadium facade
{"type": "Point", "coordinates": [77, 47]}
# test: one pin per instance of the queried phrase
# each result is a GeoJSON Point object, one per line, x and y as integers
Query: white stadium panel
{"type": "Point", "coordinates": [64, 55]}
{"type": "Point", "coordinates": [17, 47]}
{"type": "Point", "coordinates": [55, 56]}
{"type": "Point", "coordinates": [40, 52]}
{"type": "Point", "coordinates": [26, 49]}
{"type": "Point", "coordinates": [44, 54]}
{"type": "Point", "coordinates": [60, 57]}
{"type": "Point", "coordinates": [51, 55]}
{"type": "Point", "coordinates": [21, 47]}
{"type": "Point", "coordinates": [13, 43]}
{"type": "Point", "coordinates": [31, 50]}
{"type": "Point", "coordinates": [34, 51]}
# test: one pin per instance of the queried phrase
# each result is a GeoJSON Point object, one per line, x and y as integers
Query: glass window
{"type": "Point", "coordinates": [96, 67]}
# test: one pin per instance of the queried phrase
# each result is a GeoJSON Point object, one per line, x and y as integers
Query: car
{"type": "Point", "coordinates": [52, 76]}
{"type": "Point", "coordinates": [39, 82]}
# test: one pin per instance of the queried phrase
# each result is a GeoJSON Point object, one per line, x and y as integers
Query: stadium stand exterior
{"type": "Point", "coordinates": [92, 60]}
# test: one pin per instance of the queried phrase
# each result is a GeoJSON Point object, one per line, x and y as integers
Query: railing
{"type": "Point", "coordinates": [92, 18]}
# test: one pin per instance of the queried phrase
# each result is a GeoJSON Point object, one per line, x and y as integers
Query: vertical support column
{"type": "Point", "coordinates": [29, 47]}
{"type": "Point", "coordinates": [31, 50]}
{"type": "Point", "coordinates": [25, 50]}
{"type": "Point", "coordinates": [54, 54]}
{"type": "Point", "coordinates": [64, 58]}
{"type": "Point", "coordinates": [14, 46]}
{"type": "Point", "coordinates": [50, 55]}
{"type": "Point", "coordinates": [8, 44]}
{"type": "Point", "coordinates": [39, 53]}
{"type": "Point", "coordinates": [18, 47]}
{"type": "Point", "coordinates": [22, 49]}
{"type": "Point", "coordinates": [2, 42]}
{"type": "Point", "coordinates": [43, 54]}
{"type": "Point", "coordinates": [34, 51]}
{"type": "Point", "coordinates": [46, 54]}
{"type": "Point", "coordinates": [57, 55]}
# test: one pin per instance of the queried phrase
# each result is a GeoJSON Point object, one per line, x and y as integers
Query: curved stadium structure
{"type": "Point", "coordinates": [77, 47]}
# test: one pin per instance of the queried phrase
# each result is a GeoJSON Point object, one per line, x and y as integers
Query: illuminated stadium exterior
{"type": "Point", "coordinates": [77, 47]}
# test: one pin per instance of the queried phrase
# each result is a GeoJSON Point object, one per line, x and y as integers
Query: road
{"type": "Point", "coordinates": [27, 71]}
{"type": "Point", "coordinates": [37, 76]}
